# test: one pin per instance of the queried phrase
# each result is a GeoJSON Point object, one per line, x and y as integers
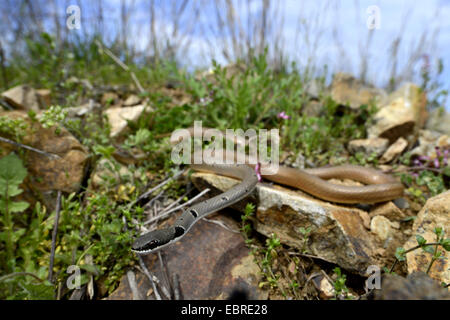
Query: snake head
{"type": "Point", "coordinates": [153, 240]}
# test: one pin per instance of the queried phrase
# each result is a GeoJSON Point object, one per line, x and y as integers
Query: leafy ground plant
{"type": "Point", "coordinates": [430, 247]}
{"type": "Point", "coordinates": [340, 288]}
{"type": "Point", "coordinates": [21, 279]}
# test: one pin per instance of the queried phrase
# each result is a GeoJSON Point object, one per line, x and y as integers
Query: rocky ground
{"type": "Point", "coordinates": [214, 259]}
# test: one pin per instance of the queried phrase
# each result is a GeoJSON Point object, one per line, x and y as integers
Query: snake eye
{"type": "Point", "coordinates": [147, 246]}
{"type": "Point", "coordinates": [151, 245]}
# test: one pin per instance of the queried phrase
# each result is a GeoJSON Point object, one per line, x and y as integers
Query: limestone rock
{"type": "Point", "coordinates": [428, 141]}
{"type": "Point", "coordinates": [22, 97]}
{"type": "Point", "coordinates": [369, 146]}
{"type": "Point", "coordinates": [403, 115]}
{"type": "Point", "coordinates": [388, 210]}
{"type": "Point", "coordinates": [383, 227]}
{"type": "Point", "coordinates": [325, 288]}
{"type": "Point", "coordinates": [81, 111]}
{"type": "Point", "coordinates": [394, 151]}
{"type": "Point", "coordinates": [119, 117]}
{"type": "Point", "coordinates": [132, 100]}
{"type": "Point", "coordinates": [64, 172]}
{"type": "Point", "coordinates": [338, 234]}
{"type": "Point", "coordinates": [345, 88]}
{"type": "Point", "coordinates": [211, 263]}
{"type": "Point", "coordinates": [434, 214]}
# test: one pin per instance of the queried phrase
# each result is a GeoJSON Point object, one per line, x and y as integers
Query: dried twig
{"type": "Point", "coordinates": [176, 201]}
{"type": "Point", "coordinates": [176, 286]}
{"type": "Point", "coordinates": [161, 216]}
{"type": "Point", "coordinates": [165, 272]}
{"type": "Point", "coordinates": [17, 144]}
{"type": "Point", "coordinates": [133, 285]}
{"type": "Point", "coordinates": [150, 277]}
{"type": "Point", "coordinates": [122, 65]}
{"type": "Point", "coordinates": [147, 193]}
{"type": "Point", "coordinates": [221, 224]}
{"type": "Point", "coordinates": [159, 195]}
{"type": "Point", "coordinates": [18, 274]}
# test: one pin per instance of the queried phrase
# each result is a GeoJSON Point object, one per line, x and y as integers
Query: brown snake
{"type": "Point", "coordinates": [378, 187]}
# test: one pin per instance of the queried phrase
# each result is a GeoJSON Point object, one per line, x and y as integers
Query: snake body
{"type": "Point", "coordinates": [379, 187]}
{"type": "Point", "coordinates": [158, 239]}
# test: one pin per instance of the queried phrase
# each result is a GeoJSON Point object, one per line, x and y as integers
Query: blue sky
{"type": "Point", "coordinates": [337, 32]}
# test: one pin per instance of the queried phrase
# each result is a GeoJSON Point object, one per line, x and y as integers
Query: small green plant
{"type": "Point", "coordinates": [266, 264]}
{"type": "Point", "coordinates": [430, 247]}
{"type": "Point", "coordinates": [22, 280]}
{"type": "Point", "coordinates": [12, 174]}
{"type": "Point", "coordinates": [362, 159]}
{"type": "Point", "coordinates": [246, 228]}
{"type": "Point", "coordinates": [340, 288]}
{"type": "Point", "coordinates": [305, 233]}
{"type": "Point", "coordinates": [52, 116]}
{"type": "Point", "coordinates": [15, 128]}
{"type": "Point", "coordinates": [429, 176]}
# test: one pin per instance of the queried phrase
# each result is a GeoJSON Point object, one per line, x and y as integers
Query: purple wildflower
{"type": "Point", "coordinates": [283, 115]}
{"type": "Point", "coordinates": [258, 171]}
{"type": "Point", "coordinates": [436, 162]}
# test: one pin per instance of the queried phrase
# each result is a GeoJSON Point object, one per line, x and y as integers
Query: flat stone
{"type": "Point", "coordinates": [403, 115]}
{"type": "Point", "coordinates": [118, 118]}
{"type": "Point", "coordinates": [132, 100]}
{"type": "Point", "coordinates": [323, 285]}
{"type": "Point", "coordinates": [210, 261]}
{"type": "Point", "coordinates": [49, 174]}
{"type": "Point", "coordinates": [382, 227]}
{"type": "Point", "coordinates": [22, 97]}
{"type": "Point", "coordinates": [83, 110]}
{"type": "Point", "coordinates": [434, 214]}
{"type": "Point", "coordinates": [394, 151]}
{"type": "Point", "coordinates": [428, 141]}
{"type": "Point", "coordinates": [368, 146]}
{"type": "Point", "coordinates": [388, 210]}
{"type": "Point", "coordinates": [346, 89]}
{"type": "Point", "coordinates": [338, 234]}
